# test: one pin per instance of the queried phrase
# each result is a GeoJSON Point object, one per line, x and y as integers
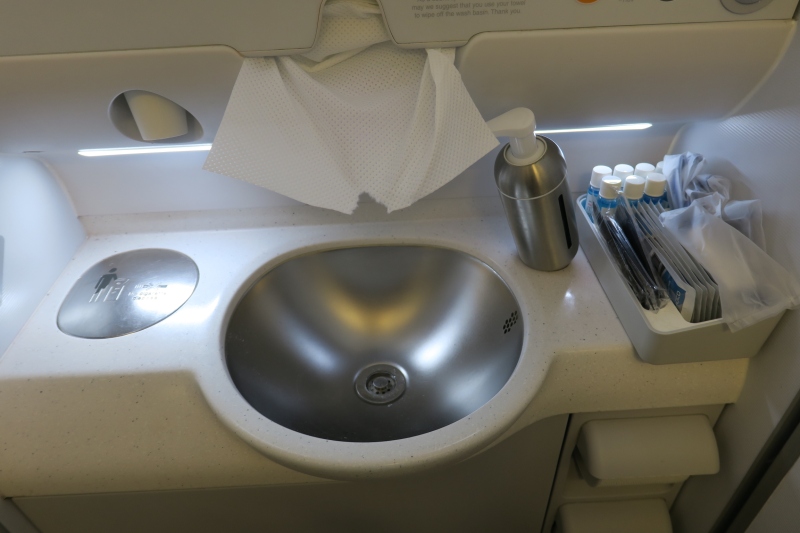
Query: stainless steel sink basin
{"type": "Point", "coordinates": [374, 344]}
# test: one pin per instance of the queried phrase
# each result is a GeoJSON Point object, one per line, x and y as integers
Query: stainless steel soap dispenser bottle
{"type": "Point", "coordinates": [531, 176]}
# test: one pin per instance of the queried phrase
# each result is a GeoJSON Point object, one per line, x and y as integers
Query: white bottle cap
{"type": "Point", "coordinates": [622, 171]}
{"type": "Point", "coordinates": [609, 187]}
{"type": "Point", "coordinates": [598, 173]}
{"type": "Point", "coordinates": [656, 185]}
{"type": "Point", "coordinates": [643, 169]}
{"type": "Point", "coordinates": [634, 187]}
{"type": "Point", "coordinates": [660, 167]}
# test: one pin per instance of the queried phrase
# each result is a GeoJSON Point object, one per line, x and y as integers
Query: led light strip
{"type": "Point", "coordinates": [101, 152]}
{"type": "Point", "coordinates": [618, 127]}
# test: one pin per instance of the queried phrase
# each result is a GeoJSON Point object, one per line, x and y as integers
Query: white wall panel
{"type": "Point", "coordinates": [54, 103]}
{"type": "Point", "coordinates": [601, 76]}
{"type": "Point", "coordinates": [176, 182]}
{"type": "Point", "coordinates": [46, 27]}
{"type": "Point", "coordinates": [760, 150]}
{"type": "Point", "coordinates": [41, 234]}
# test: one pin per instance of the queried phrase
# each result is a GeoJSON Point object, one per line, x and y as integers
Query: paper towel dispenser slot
{"type": "Point", "coordinates": [646, 451]}
{"type": "Point", "coordinates": [148, 117]}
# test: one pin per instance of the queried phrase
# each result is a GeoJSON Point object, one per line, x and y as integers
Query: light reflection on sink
{"type": "Point", "coordinates": [374, 344]}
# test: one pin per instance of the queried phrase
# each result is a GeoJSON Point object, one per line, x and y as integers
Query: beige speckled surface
{"type": "Point", "coordinates": [157, 409]}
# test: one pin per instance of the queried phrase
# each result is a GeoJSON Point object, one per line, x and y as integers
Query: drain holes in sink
{"type": "Point", "coordinates": [508, 324]}
{"type": "Point", "coordinates": [380, 384]}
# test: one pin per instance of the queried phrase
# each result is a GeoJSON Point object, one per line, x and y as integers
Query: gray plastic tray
{"type": "Point", "coordinates": [665, 337]}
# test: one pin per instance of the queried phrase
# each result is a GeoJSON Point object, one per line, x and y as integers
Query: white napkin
{"type": "Point", "coordinates": [355, 114]}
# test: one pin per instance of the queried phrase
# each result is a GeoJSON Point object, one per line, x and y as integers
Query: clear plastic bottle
{"type": "Point", "coordinates": [598, 173]}
{"type": "Point", "coordinates": [659, 167]}
{"type": "Point", "coordinates": [655, 190]}
{"type": "Point", "coordinates": [643, 169]}
{"type": "Point", "coordinates": [609, 190]}
{"type": "Point", "coordinates": [622, 171]}
{"type": "Point", "coordinates": [634, 189]}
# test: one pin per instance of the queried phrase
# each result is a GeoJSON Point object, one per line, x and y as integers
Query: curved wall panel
{"type": "Point", "coordinates": [600, 76]}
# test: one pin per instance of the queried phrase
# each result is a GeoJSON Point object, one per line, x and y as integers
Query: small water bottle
{"type": "Point", "coordinates": [634, 189]}
{"type": "Point", "coordinates": [655, 190]}
{"type": "Point", "coordinates": [659, 167]}
{"type": "Point", "coordinates": [598, 173]}
{"type": "Point", "coordinates": [622, 171]}
{"type": "Point", "coordinates": [607, 201]}
{"type": "Point", "coordinates": [643, 169]}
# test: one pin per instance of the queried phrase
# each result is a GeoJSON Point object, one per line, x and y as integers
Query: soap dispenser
{"type": "Point", "coordinates": [531, 177]}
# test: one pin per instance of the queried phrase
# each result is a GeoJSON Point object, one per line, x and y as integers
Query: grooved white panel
{"type": "Point", "coordinates": [600, 76]}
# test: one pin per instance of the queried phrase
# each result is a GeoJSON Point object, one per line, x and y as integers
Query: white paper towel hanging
{"type": "Point", "coordinates": [355, 114]}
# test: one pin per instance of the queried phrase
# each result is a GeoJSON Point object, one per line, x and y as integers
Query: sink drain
{"type": "Point", "coordinates": [379, 384]}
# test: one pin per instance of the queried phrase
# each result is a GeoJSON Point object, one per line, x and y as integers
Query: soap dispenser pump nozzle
{"type": "Point", "coordinates": [519, 125]}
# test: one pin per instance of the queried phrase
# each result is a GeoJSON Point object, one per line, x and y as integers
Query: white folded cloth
{"type": "Point", "coordinates": [355, 114]}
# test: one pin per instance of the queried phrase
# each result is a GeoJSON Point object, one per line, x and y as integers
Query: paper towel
{"type": "Point", "coordinates": [355, 114]}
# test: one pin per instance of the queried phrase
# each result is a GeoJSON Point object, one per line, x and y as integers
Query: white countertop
{"type": "Point", "coordinates": [157, 409]}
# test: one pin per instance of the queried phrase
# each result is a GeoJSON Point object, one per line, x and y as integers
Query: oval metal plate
{"type": "Point", "coordinates": [128, 292]}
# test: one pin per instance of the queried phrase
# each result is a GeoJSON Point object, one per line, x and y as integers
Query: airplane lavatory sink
{"type": "Point", "coordinates": [374, 344]}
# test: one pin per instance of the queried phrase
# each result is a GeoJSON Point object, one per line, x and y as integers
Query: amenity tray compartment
{"type": "Point", "coordinates": [665, 337]}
